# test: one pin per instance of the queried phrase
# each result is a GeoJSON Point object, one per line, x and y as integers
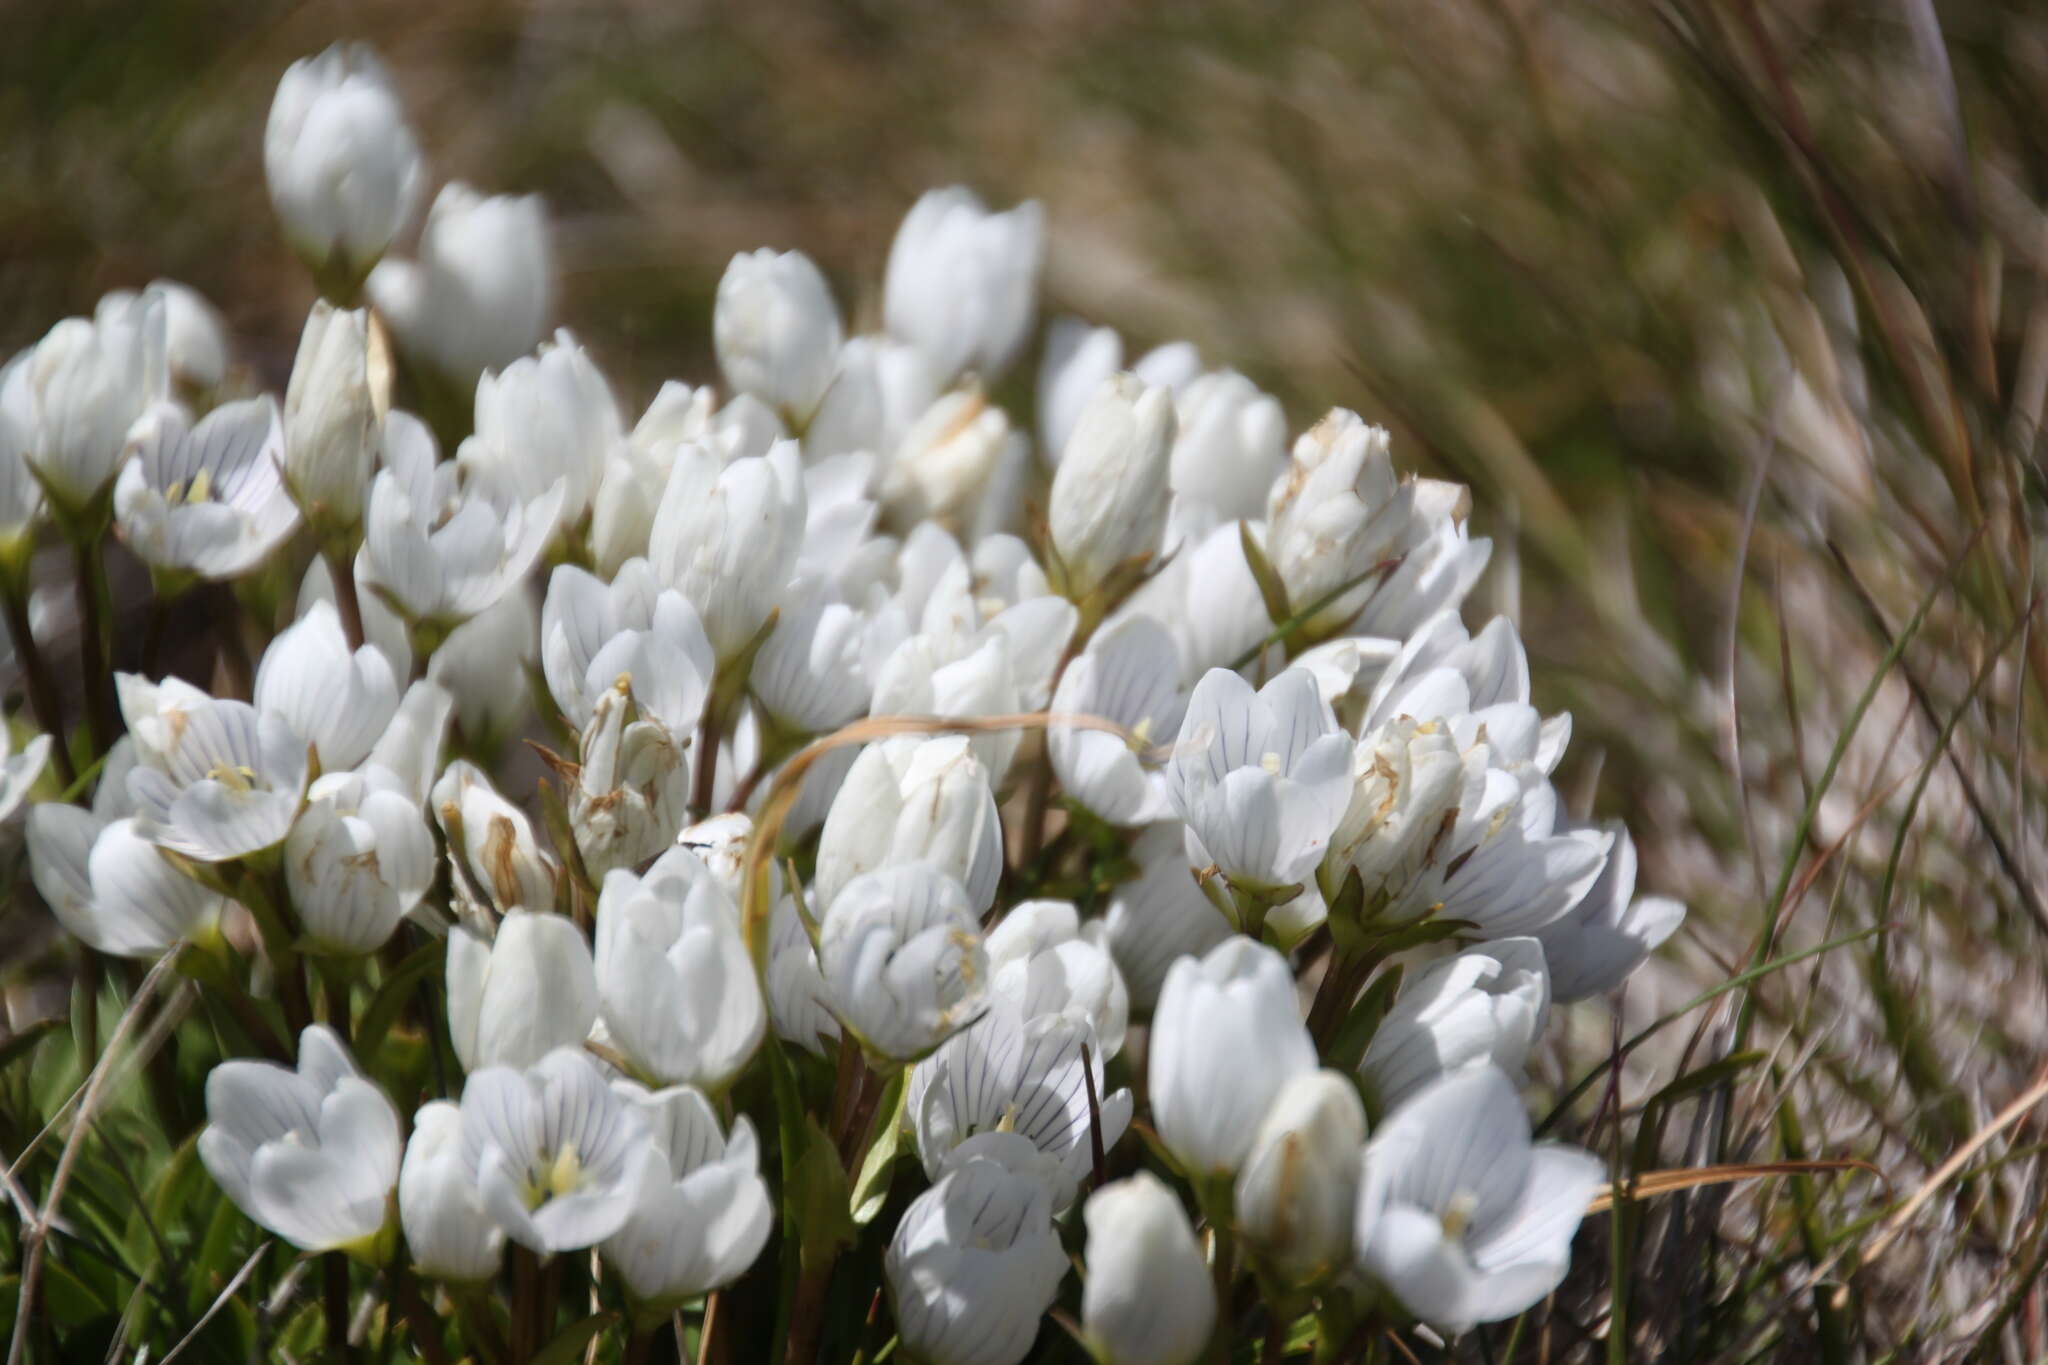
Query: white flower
{"type": "Point", "coordinates": [333, 413]}
{"type": "Point", "coordinates": [1459, 1216]}
{"type": "Point", "coordinates": [1483, 1007]}
{"type": "Point", "coordinates": [18, 772]}
{"type": "Point", "coordinates": [916, 681]}
{"type": "Point", "coordinates": [941, 468]}
{"type": "Point", "coordinates": [1078, 360]}
{"type": "Point", "coordinates": [1226, 1037]}
{"type": "Point", "coordinates": [338, 702]}
{"type": "Point", "coordinates": [560, 1158]}
{"type": "Point", "coordinates": [448, 1233]}
{"type": "Point", "coordinates": [481, 291]}
{"type": "Point", "coordinates": [207, 499]}
{"type": "Point", "coordinates": [21, 496]}
{"type": "Point", "coordinates": [962, 281]}
{"type": "Point", "coordinates": [910, 799]}
{"type": "Point", "coordinates": [1610, 932]}
{"type": "Point", "coordinates": [1129, 675]}
{"type": "Point", "coordinates": [1109, 494]}
{"type": "Point", "coordinates": [311, 1154]}
{"type": "Point", "coordinates": [878, 389]}
{"type": "Point", "coordinates": [777, 330]}
{"type": "Point", "coordinates": [227, 780]}
{"type": "Point", "coordinates": [1042, 958]}
{"type": "Point", "coordinates": [798, 1000]}
{"type": "Point", "coordinates": [493, 839]}
{"type": "Point", "coordinates": [547, 416]}
{"type": "Point", "coordinates": [1206, 595]}
{"type": "Point", "coordinates": [444, 543]}
{"type": "Point", "coordinates": [1260, 778]}
{"type": "Point", "coordinates": [1014, 1072]}
{"type": "Point", "coordinates": [975, 1263]}
{"type": "Point", "coordinates": [196, 339]}
{"type": "Point", "coordinates": [1227, 451]}
{"type": "Point", "coordinates": [1297, 1191]}
{"type": "Point", "coordinates": [93, 382]}
{"type": "Point", "coordinates": [678, 993]}
{"type": "Point", "coordinates": [1159, 916]}
{"type": "Point", "coordinates": [358, 860]}
{"type": "Point", "coordinates": [111, 887]}
{"type": "Point", "coordinates": [345, 174]}
{"type": "Point", "coordinates": [1407, 780]}
{"type": "Point", "coordinates": [902, 959]}
{"type": "Point", "coordinates": [632, 788]}
{"type": "Point", "coordinates": [1148, 1298]}
{"type": "Point", "coordinates": [581, 614]}
{"type": "Point", "coordinates": [478, 661]}
{"type": "Point", "coordinates": [706, 1217]}
{"type": "Point", "coordinates": [810, 675]}
{"type": "Point", "coordinates": [410, 748]}
{"type": "Point", "coordinates": [727, 537]}
{"type": "Point", "coordinates": [1336, 514]}
{"type": "Point", "coordinates": [529, 990]}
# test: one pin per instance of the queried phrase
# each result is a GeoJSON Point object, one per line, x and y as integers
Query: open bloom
{"type": "Point", "coordinates": [443, 543]}
{"type": "Point", "coordinates": [1018, 1073]}
{"type": "Point", "coordinates": [962, 281]}
{"type": "Point", "coordinates": [1226, 1038]}
{"type": "Point", "coordinates": [777, 330]}
{"type": "Point", "coordinates": [976, 1261]}
{"type": "Point", "coordinates": [1483, 1007]}
{"type": "Point", "coordinates": [111, 887]}
{"type": "Point", "coordinates": [448, 1232]}
{"type": "Point", "coordinates": [1460, 1217]}
{"type": "Point", "coordinates": [1609, 933]}
{"type": "Point", "coordinates": [529, 990]}
{"type": "Point", "coordinates": [705, 1216]}
{"type": "Point", "coordinates": [1160, 916]}
{"type": "Point", "coordinates": [480, 293]}
{"type": "Point", "coordinates": [311, 1154]}
{"type": "Point", "coordinates": [345, 173]}
{"type": "Point", "coordinates": [208, 499]}
{"type": "Point", "coordinates": [560, 1158]}
{"type": "Point", "coordinates": [1260, 778]}
{"type": "Point", "coordinates": [1148, 1298]}
{"type": "Point", "coordinates": [1129, 675]}
{"type": "Point", "coordinates": [227, 780]}
{"type": "Point", "coordinates": [903, 959]}
{"type": "Point", "coordinates": [679, 995]}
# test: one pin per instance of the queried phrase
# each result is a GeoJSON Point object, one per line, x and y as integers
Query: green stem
{"type": "Point", "coordinates": [35, 672]}
{"type": "Point", "coordinates": [334, 1303]}
{"type": "Point", "coordinates": [95, 680]}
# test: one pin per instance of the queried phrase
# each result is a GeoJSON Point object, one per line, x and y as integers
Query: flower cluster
{"type": "Point", "coordinates": [900, 851]}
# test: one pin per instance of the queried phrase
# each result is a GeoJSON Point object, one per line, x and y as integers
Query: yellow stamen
{"type": "Point", "coordinates": [1270, 762]}
{"type": "Point", "coordinates": [1458, 1216]}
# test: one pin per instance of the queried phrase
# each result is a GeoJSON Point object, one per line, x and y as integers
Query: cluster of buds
{"type": "Point", "coordinates": [898, 853]}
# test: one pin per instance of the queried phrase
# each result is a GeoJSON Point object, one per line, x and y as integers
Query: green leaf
{"type": "Point", "coordinates": [871, 1190]}
{"type": "Point", "coordinates": [21, 1042]}
{"type": "Point", "coordinates": [1355, 1036]}
{"type": "Point", "coordinates": [1271, 590]}
{"type": "Point", "coordinates": [68, 1299]}
{"type": "Point", "coordinates": [391, 996]}
{"type": "Point", "coordinates": [568, 1347]}
{"type": "Point", "coordinates": [818, 1197]}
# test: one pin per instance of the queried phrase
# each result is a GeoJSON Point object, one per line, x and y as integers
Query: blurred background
{"type": "Point", "coordinates": [1733, 314]}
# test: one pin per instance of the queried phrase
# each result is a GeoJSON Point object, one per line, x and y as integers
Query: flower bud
{"type": "Point", "coordinates": [93, 382]}
{"type": "Point", "coordinates": [944, 463]}
{"type": "Point", "coordinates": [332, 416]}
{"type": "Point", "coordinates": [1298, 1189]}
{"type": "Point", "coordinates": [879, 387]}
{"type": "Point", "coordinates": [526, 992]}
{"type": "Point", "coordinates": [448, 1234]}
{"type": "Point", "coordinates": [1226, 1037]}
{"type": "Point", "coordinates": [975, 1263]}
{"type": "Point", "coordinates": [962, 282]}
{"type": "Point", "coordinates": [902, 958]}
{"type": "Point", "coordinates": [345, 174]}
{"type": "Point", "coordinates": [1109, 494]}
{"type": "Point", "coordinates": [777, 330]}
{"type": "Point", "coordinates": [480, 294]}
{"type": "Point", "coordinates": [545, 417]}
{"type": "Point", "coordinates": [1148, 1299]}
{"type": "Point", "coordinates": [493, 839]}
{"type": "Point", "coordinates": [336, 701]}
{"type": "Point", "coordinates": [913, 800]}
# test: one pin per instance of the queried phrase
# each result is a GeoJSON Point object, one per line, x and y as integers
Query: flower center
{"type": "Point", "coordinates": [1457, 1215]}
{"type": "Point", "coordinates": [234, 776]}
{"type": "Point", "coordinates": [562, 1174]}
{"type": "Point", "coordinates": [1270, 761]}
{"type": "Point", "coordinates": [200, 491]}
